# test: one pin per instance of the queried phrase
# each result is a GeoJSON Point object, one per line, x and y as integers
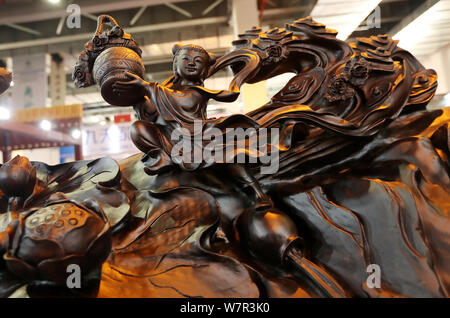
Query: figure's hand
{"type": "Point", "coordinates": [121, 87]}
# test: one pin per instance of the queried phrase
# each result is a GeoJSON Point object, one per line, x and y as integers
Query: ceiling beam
{"type": "Point", "coordinates": [138, 15]}
{"type": "Point", "coordinates": [60, 25]}
{"type": "Point", "coordinates": [273, 4]}
{"type": "Point", "coordinates": [42, 10]}
{"type": "Point", "coordinates": [90, 16]}
{"type": "Point", "coordinates": [23, 29]}
{"type": "Point", "coordinates": [132, 30]}
{"type": "Point", "coordinates": [65, 39]}
{"type": "Point", "coordinates": [212, 6]}
{"type": "Point", "coordinates": [179, 10]}
{"type": "Point", "coordinates": [283, 11]}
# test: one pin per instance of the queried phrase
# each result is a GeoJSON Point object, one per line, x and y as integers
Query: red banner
{"type": "Point", "coordinates": [122, 118]}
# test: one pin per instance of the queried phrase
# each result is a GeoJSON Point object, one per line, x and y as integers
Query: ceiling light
{"type": "Point", "coordinates": [76, 134]}
{"type": "Point", "coordinates": [54, 1]}
{"type": "Point", "coordinates": [46, 125]}
{"type": "Point", "coordinates": [5, 113]}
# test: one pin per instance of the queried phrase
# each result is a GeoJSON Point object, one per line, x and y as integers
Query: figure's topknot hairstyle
{"type": "Point", "coordinates": [178, 47]}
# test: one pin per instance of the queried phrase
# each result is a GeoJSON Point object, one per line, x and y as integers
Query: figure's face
{"type": "Point", "coordinates": [191, 64]}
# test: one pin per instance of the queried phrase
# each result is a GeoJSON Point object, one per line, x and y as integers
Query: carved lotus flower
{"type": "Point", "coordinates": [17, 179]}
{"type": "Point", "coordinates": [357, 71]}
{"type": "Point", "coordinates": [360, 70]}
{"type": "Point", "coordinates": [47, 240]}
{"type": "Point", "coordinates": [338, 89]}
{"type": "Point", "coordinates": [274, 53]}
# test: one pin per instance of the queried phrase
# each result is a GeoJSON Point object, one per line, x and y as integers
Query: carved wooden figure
{"type": "Point", "coordinates": [361, 178]}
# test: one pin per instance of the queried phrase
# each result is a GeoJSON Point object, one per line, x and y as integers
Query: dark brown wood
{"type": "Point", "coordinates": [362, 180]}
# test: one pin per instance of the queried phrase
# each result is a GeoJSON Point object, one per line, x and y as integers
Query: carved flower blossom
{"type": "Point", "coordinates": [67, 219]}
{"type": "Point", "coordinates": [338, 89]}
{"type": "Point", "coordinates": [357, 71]}
{"type": "Point", "coordinates": [360, 71]}
{"type": "Point", "coordinates": [274, 51]}
{"type": "Point", "coordinates": [17, 181]}
{"type": "Point", "coordinates": [274, 54]}
{"type": "Point", "coordinates": [47, 240]}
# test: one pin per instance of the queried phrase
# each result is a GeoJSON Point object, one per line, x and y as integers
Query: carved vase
{"type": "Point", "coordinates": [110, 67]}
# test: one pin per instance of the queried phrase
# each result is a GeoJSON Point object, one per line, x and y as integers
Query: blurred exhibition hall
{"type": "Point", "coordinates": [44, 117]}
